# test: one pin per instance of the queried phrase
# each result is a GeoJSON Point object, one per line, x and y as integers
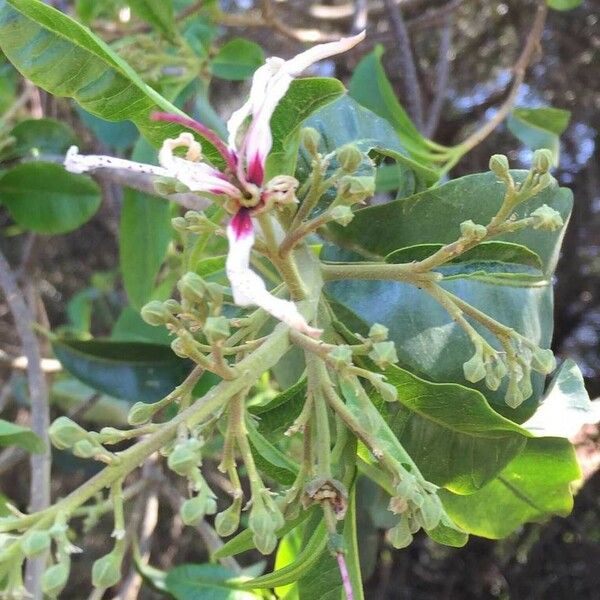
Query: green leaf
{"type": "Point", "coordinates": [68, 60]}
{"type": "Point", "coordinates": [505, 252]}
{"type": "Point", "coordinates": [539, 127]}
{"type": "Point", "coordinates": [565, 407]}
{"type": "Point", "coordinates": [371, 88]}
{"type": "Point", "coordinates": [535, 485]}
{"type": "Point", "coordinates": [563, 4]}
{"type": "Point", "coordinates": [237, 60]}
{"type": "Point", "coordinates": [450, 431]}
{"type": "Point", "coordinates": [159, 13]}
{"type": "Point", "coordinates": [144, 236]}
{"type": "Point", "coordinates": [129, 370]}
{"type": "Point", "coordinates": [204, 582]}
{"type": "Point", "coordinates": [23, 437]}
{"type": "Point", "coordinates": [121, 135]}
{"type": "Point", "coordinates": [45, 198]}
{"type": "Point", "coordinates": [130, 327]}
{"type": "Point", "coordinates": [39, 136]}
{"type": "Point", "coordinates": [303, 98]}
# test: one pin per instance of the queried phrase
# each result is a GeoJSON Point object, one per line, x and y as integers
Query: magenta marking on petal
{"type": "Point", "coordinates": [255, 170]}
{"type": "Point", "coordinates": [203, 130]}
{"type": "Point", "coordinates": [241, 223]}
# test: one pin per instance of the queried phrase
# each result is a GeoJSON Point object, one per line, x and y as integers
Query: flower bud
{"type": "Point", "coordinates": [216, 329]}
{"type": "Point", "coordinates": [499, 165]}
{"type": "Point", "coordinates": [474, 368]}
{"type": "Point", "coordinates": [85, 449]}
{"type": "Point", "coordinates": [472, 232]}
{"type": "Point", "coordinates": [525, 385]}
{"type": "Point", "coordinates": [106, 571]}
{"type": "Point", "coordinates": [140, 413]}
{"type": "Point", "coordinates": [227, 521]}
{"type": "Point", "coordinates": [341, 356]}
{"type": "Point", "coordinates": [265, 543]}
{"type": "Point", "coordinates": [55, 579]}
{"type": "Point", "coordinates": [173, 306]}
{"type": "Point", "coordinates": [155, 313]}
{"type": "Point", "coordinates": [542, 160]}
{"type": "Point", "coordinates": [383, 354]}
{"type": "Point", "coordinates": [543, 361]}
{"type": "Point", "coordinates": [388, 391]}
{"type": "Point", "coordinates": [185, 457]}
{"type": "Point", "coordinates": [178, 223]}
{"type": "Point", "coordinates": [199, 223]}
{"type": "Point", "coordinates": [547, 218]}
{"type": "Point", "coordinates": [35, 542]}
{"type": "Point", "coordinates": [349, 157]}
{"type": "Point", "coordinates": [342, 215]}
{"type": "Point", "coordinates": [398, 505]}
{"type": "Point", "coordinates": [310, 139]}
{"type": "Point", "coordinates": [354, 189]}
{"type": "Point", "coordinates": [378, 332]}
{"type": "Point", "coordinates": [111, 435]}
{"type": "Point", "coordinates": [192, 287]}
{"type": "Point", "coordinates": [400, 536]}
{"type": "Point", "coordinates": [193, 510]}
{"type": "Point", "coordinates": [279, 191]}
{"type": "Point", "coordinates": [64, 433]}
{"type": "Point", "coordinates": [215, 291]}
{"type": "Point", "coordinates": [431, 512]}
{"type": "Point", "coordinates": [514, 396]}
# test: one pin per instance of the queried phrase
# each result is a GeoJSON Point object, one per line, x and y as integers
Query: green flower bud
{"type": "Point", "coordinates": [525, 385]}
{"type": "Point", "coordinates": [35, 542]}
{"type": "Point", "coordinates": [353, 189]}
{"type": "Point", "coordinates": [378, 332]}
{"type": "Point", "coordinates": [192, 287]}
{"type": "Point", "coordinates": [106, 571]}
{"type": "Point", "coordinates": [342, 215]}
{"type": "Point", "coordinates": [178, 223]}
{"type": "Point", "coordinates": [140, 413]}
{"type": "Point", "coordinates": [383, 354]}
{"type": "Point", "coordinates": [227, 522]}
{"type": "Point", "coordinates": [341, 356]}
{"type": "Point", "coordinates": [65, 433]}
{"type": "Point", "coordinates": [310, 138]}
{"type": "Point", "coordinates": [547, 218]}
{"type": "Point", "coordinates": [216, 329]}
{"type": "Point", "coordinates": [85, 449]}
{"type": "Point", "coordinates": [55, 579]}
{"type": "Point", "coordinates": [265, 543]}
{"type": "Point", "coordinates": [499, 165]}
{"type": "Point", "coordinates": [349, 157]}
{"type": "Point", "coordinates": [406, 485]}
{"type": "Point", "coordinates": [185, 457]}
{"type": "Point", "coordinates": [216, 292]}
{"type": "Point", "coordinates": [400, 536]}
{"type": "Point", "coordinates": [199, 223]}
{"type": "Point", "coordinates": [193, 510]}
{"type": "Point", "coordinates": [173, 306]}
{"type": "Point", "coordinates": [543, 361]}
{"type": "Point", "coordinates": [471, 231]}
{"type": "Point", "coordinates": [474, 368]}
{"type": "Point", "coordinates": [155, 313]}
{"type": "Point", "coordinates": [111, 435]}
{"type": "Point", "coordinates": [542, 160]}
{"type": "Point", "coordinates": [398, 505]}
{"type": "Point", "coordinates": [514, 396]}
{"type": "Point", "coordinates": [388, 391]}
{"type": "Point", "coordinates": [431, 512]}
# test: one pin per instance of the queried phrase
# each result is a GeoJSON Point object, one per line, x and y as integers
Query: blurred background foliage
{"type": "Point", "coordinates": [201, 56]}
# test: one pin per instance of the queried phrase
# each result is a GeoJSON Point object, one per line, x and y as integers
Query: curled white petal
{"type": "Point", "coordinates": [249, 289]}
{"type": "Point", "coordinates": [85, 163]}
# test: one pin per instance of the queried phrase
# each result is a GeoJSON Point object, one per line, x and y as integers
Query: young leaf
{"type": "Point", "coordinates": [45, 198]}
{"type": "Point", "coordinates": [23, 437]}
{"type": "Point", "coordinates": [237, 60]}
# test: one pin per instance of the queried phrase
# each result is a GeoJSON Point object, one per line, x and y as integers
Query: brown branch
{"type": "Point", "coordinates": [40, 413]}
{"type": "Point", "coordinates": [532, 45]}
{"type": "Point", "coordinates": [410, 80]}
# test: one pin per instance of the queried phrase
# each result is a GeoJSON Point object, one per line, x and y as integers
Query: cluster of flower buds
{"type": "Point", "coordinates": [56, 575]}
{"type": "Point", "coordinates": [418, 505]}
{"type": "Point", "coordinates": [265, 520]}
{"type": "Point", "coordinates": [489, 365]}
{"type": "Point", "coordinates": [194, 222]}
{"type": "Point", "coordinates": [66, 434]}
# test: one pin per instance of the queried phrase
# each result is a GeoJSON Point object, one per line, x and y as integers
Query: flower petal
{"type": "Point", "coordinates": [84, 163]}
{"type": "Point", "coordinates": [247, 287]}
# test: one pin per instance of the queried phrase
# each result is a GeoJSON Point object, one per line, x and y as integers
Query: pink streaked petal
{"type": "Point", "coordinates": [241, 224]}
{"type": "Point", "coordinates": [204, 131]}
{"type": "Point", "coordinates": [255, 171]}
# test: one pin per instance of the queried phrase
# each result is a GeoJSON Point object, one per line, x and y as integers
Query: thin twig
{"type": "Point", "coordinates": [532, 45]}
{"type": "Point", "coordinates": [442, 72]}
{"type": "Point", "coordinates": [40, 413]}
{"type": "Point", "coordinates": [410, 80]}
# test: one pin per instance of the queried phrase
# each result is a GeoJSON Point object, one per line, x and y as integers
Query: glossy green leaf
{"type": "Point", "coordinates": [23, 437]}
{"type": "Point", "coordinates": [539, 127]}
{"type": "Point", "coordinates": [159, 13]}
{"type": "Point", "coordinates": [130, 370]}
{"type": "Point", "coordinates": [564, 4]}
{"type": "Point", "coordinates": [237, 60]}
{"type": "Point", "coordinates": [66, 59]}
{"type": "Point", "coordinates": [144, 236]}
{"type": "Point", "coordinates": [44, 198]}
{"type": "Point", "coordinates": [120, 135]}
{"type": "Point", "coordinates": [204, 582]}
{"type": "Point", "coordinates": [534, 486]}
{"type": "Point", "coordinates": [565, 407]}
{"type": "Point", "coordinates": [303, 98]}
{"type": "Point", "coordinates": [35, 137]}
{"type": "Point", "coordinates": [505, 252]}
{"type": "Point", "coordinates": [450, 431]}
